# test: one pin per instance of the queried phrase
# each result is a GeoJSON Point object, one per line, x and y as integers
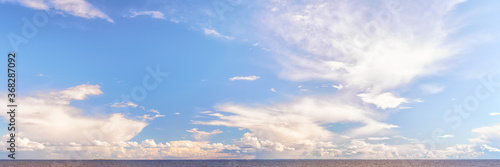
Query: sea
{"type": "Point", "coordinates": [270, 163]}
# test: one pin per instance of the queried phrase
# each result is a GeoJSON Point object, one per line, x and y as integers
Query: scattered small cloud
{"type": "Point", "coordinates": [339, 87]}
{"type": "Point", "coordinates": [431, 88]}
{"type": "Point", "coordinates": [494, 113]}
{"type": "Point", "coordinates": [248, 78]}
{"type": "Point", "coordinates": [177, 113]}
{"type": "Point", "coordinates": [383, 101]}
{"type": "Point", "coordinates": [273, 90]}
{"type": "Point", "coordinates": [149, 117]}
{"type": "Point", "coordinates": [123, 104]}
{"type": "Point", "coordinates": [206, 112]}
{"type": "Point", "coordinates": [153, 111]}
{"type": "Point", "coordinates": [418, 100]}
{"type": "Point", "coordinates": [216, 34]}
{"type": "Point", "coordinates": [153, 14]}
{"type": "Point", "coordinates": [202, 135]}
{"type": "Point", "coordinates": [39, 75]}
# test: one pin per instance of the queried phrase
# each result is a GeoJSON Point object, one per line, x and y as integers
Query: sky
{"type": "Point", "coordinates": [236, 79]}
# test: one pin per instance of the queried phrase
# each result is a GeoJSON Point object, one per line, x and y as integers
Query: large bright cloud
{"type": "Point", "coordinates": [301, 123]}
{"type": "Point", "coordinates": [369, 45]}
{"type": "Point", "coordinates": [49, 117]}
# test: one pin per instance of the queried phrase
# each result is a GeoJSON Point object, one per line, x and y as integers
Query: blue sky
{"type": "Point", "coordinates": [238, 79]}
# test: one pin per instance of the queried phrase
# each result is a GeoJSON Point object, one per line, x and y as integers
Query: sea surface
{"type": "Point", "coordinates": [279, 163]}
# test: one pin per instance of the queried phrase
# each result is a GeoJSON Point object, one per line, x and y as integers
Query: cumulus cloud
{"type": "Point", "coordinates": [49, 117]}
{"type": "Point", "coordinates": [384, 100]}
{"type": "Point", "coordinates": [300, 122]}
{"type": "Point", "coordinates": [153, 14]}
{"type": "Point", "coordinates": [202, 135]}
{"type": "Point", "coordinates": [247, 78]}
{"type": "Point", "coordinates": [487, 135]}
{"type": "Point", "coordinates": [146, 149]}
{"type": "Point", "coordinates": [251, 143]}
{"type": "Point", "coordinates": [78, 8]}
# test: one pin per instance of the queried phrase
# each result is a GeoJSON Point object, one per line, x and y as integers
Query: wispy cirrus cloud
{"type": "Point", "coordinates": [212, 32]}
{"type": "Point", "coordinates": [153, 14]}
{"type": "Point", "coordinates": [124, 104]}
{"type": "Point", "coordinates": [202, 135]}
{"type": "Point", "coordinates": [78, 8]}
{"type": "Point", "coordinates": [246, 78]}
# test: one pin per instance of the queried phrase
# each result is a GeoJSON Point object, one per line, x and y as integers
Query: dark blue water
{"type": "Point", "coordinates": [279, 163]}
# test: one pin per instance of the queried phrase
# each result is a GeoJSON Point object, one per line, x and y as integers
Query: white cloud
{"type": "Point", "coordinates": [79, 92]}
{"type": "Point", "coordinates": [339, 87]}
{"type": "Point", "coordinates": [383, 101]}
{"type": "Point", "coordinates": [487, 135]}
{"type": "Point", "coordinates": [34, 4]}
{"type": "Point", "coordinates": [78, 8]}
{"type": "Point", "coordinates": [216, 34]}
{"type": "Point", "coordinates": [299, 122]}
{"type": "Point", "coordinates": [388, 49]}
{"type": "Point", "coordinates": [202, 135]}
{"type": "Point", "coordinates": [273, 90]}
{"type": "Point", "coordinates": [494, 113]}
{"type": "Point", "coordinates": [446, 136]}
{"type": "Point", "coordinates": [247, 78]}
{"type": "Point", "coordinates": [153, 111]}
{"type": "Point", "coordinates": [147, 149]}
{"type": "Point", "coordinates": [251, 143]}
{"type": "Point", "coordinates": [418, 100]}
{"type": "Point", "coordinates": [22, 144]}
{"type": "Point", "coordinates": [378, 138]}
{"type": "Point", "coordinates": [123, 104]}
{"type": "Point", "coordinates": [148, 143]}
{"type": "Point", "coordinates": [378, 48]}
{"type": "Point", "coordinates": [491, 149]}
{"type": "Point", "coordinates": [431, 88]}
{"type": "Point", "coordinates": [154, 14]}
{"type": "Point", "coordinates": [49, 117]}
{"type": "Point", "coordinates": [149, 117]}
